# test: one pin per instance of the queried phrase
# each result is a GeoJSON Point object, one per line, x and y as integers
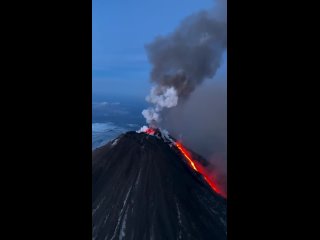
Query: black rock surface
{"type": "Point", "coordinates": [144, 189]}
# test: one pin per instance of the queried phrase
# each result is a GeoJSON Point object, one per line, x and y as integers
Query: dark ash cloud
{"type": "Point", "coordinates": [201, 123]}
{"type": "Point", "coordinates": [186, 57]}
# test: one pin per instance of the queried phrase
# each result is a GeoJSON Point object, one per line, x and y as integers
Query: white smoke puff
{"type": "Point", "coordinates": [151, 115]}
{"type": "Point", "coordinates": [169, 98]}
{"type": "Point", "coordinates": [165, 135]}
{"type": "Point", "coordinates": [142, 129]}
{"type": "Point", "coordinates": [163, 97]}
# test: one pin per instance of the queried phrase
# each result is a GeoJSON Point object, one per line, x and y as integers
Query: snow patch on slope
{"type": "Point", "coordinates": [120, 215]}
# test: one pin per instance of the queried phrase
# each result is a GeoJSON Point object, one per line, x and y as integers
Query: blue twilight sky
{"type": "Point", "coordinates": [120, 29]}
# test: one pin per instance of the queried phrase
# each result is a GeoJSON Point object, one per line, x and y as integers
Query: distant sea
{"type": "Point", "coordinates": [112, 116]}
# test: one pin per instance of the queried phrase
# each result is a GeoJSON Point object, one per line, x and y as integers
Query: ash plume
{"type": "Point", "coordinates": [201, 124]}
{"type": "Point", "coordinates": [182, 60]}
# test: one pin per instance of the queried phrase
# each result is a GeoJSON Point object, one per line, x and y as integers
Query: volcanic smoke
{"type": "Point", "coordinates": [182, 60]}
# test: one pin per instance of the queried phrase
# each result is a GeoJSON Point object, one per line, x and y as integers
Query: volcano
{"type": "Point", "coordinates": [145, 188]}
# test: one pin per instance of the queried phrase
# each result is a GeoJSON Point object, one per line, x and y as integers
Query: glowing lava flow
{"type": "Point", "coordinates": [150, 131]}
{"type": "Point", "coordinates": [193, 164]}
{"type": "Point", "coordinates": [197, 167]}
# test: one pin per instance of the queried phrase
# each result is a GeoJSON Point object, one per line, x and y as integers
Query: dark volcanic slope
{"type": "Point", "coordinates": [143, 189]}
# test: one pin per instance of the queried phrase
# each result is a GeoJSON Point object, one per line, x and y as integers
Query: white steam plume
{"type": "Point", "coordinates": [161, 97]}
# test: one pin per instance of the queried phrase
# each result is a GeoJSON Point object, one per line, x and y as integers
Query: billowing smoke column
{"type": "Point", "coordinates": [183, 60]}
{"type": "Point", "coordinates": [161, 97]}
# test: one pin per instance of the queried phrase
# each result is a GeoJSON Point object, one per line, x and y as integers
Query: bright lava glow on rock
{"type": "Point", "coordinates": [150, 131]}
{"type": "Point", "coordinates": [197, 167]}
{"type": "Point", "coordinates": [193, 164]}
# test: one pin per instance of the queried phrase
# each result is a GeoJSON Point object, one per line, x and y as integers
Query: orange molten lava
{"type": "Point", "coordinates": [150, 131]}
{"type": "Point", "coordinates": [197, 167]}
